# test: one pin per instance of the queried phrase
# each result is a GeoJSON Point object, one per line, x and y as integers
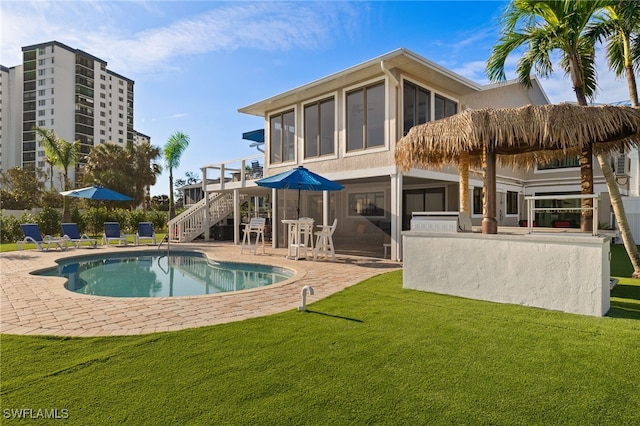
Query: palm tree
{"type": "Point", "coordinates": [620, 27]}
{"type": "Point", "coordinates": [146, 170]}
{"type": "Point", "coordinates": [64, 155]}
{"type": "Point", "coordinates": [546, 26]}
{"type": "Point", "coordinates": [173, 149]}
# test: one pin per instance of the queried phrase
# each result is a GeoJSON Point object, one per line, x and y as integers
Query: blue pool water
{"type": "Point", "coordinates": [152, 274]}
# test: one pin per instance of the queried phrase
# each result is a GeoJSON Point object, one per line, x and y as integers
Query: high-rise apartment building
{"type": "Point", "coordinates": [69, 91]}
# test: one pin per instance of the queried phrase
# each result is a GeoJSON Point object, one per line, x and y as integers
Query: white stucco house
{"type": "Point", "coordinates": [345, 127]}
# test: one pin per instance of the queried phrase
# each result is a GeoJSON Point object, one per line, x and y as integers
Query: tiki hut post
{"type": "Point", "coordinates": [463, 168]}
{"type": "Point", "coordinates": [489, 223]}
{"type": "Point", "coordinates": [586, 187]}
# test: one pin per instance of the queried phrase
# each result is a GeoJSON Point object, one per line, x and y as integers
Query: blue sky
{"type": "Point", "coordinates": [195, 63]}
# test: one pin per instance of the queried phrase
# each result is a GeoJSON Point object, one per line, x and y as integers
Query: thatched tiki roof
{"type": "Point", "coordinates": [519, 137]}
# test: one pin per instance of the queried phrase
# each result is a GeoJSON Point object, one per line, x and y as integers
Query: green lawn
{"type": "Point", "coordinates": [374, 353]}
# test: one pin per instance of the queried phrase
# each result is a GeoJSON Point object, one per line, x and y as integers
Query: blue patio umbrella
{"type": "Point", "coordinates": [301, 179]}
{"type": "Point", "coordinates": [97, 192]}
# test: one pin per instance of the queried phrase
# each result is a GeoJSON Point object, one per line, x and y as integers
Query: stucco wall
{"type": "Point", "coordinates": [558, 272]}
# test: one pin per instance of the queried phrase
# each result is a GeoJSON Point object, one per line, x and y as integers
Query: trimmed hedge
{"type": "Point", "coordinates": [90, 221]}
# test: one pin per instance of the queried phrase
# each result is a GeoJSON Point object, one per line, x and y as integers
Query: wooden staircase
{"type": "Point", "coordinates": [190, 224]}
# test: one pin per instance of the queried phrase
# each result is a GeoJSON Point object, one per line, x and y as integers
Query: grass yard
{"type": "Point", "coordinates": [372, 354]}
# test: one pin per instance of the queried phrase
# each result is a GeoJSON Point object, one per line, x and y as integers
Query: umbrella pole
{"type": "Point", "coordinates": [298, 209]}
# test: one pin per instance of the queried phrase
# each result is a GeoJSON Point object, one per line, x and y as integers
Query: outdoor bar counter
{"type": "Point", "coordinates": [567, 272]}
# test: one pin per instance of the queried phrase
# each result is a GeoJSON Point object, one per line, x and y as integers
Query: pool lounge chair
{"type": "Point", "coordinates": [71, 231]}
{"type": "Point", "coordinates": [112, 232]}
{"type": "Point", "coordinates": [145, 232]}
{"type": "Point", "coordinates": [32, 234]}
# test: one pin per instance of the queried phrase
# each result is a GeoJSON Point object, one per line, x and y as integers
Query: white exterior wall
{"type": "Point", "coordinates": [557, 272]}
{"type": "Point", "coordinates": [116, 128]}
{"type": "Point", "coordinates": [59, 115]}
{"type": "Point", "coordinates": [11, 104]}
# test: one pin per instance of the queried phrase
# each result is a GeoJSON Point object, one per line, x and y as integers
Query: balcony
{"type": "Point", "coordinates": [233, 174]}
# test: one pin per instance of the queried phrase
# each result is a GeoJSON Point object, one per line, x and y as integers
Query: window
{"type": "Point", "coordinates": [477, 201]}
{"type": "Point", "coordinates": [565, 163]}
{"type": "Point", "coordinates": [368, 204]}
{"type": "Point", "coordinates": [445, 107]}
{"type": "Point", "coordinates": [282, 137]}
{"type": "Point", "coordinates": [42, 102]}
{"type": "Point", "coordinates": [319, 127]}
{"type": "Point", "coordinates": [365, 118]}
{"type": "Point", "coordinates": [512, 202]}
{"type": "Point", "coordinates": [416, 106]}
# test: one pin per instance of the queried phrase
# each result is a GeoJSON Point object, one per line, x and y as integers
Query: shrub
{"type": "Point", "coordinates": [94, 219]}
{"type": "Point", "coordinates": [159, 220]}
{"type": "Point", "coordinates": [49, 219]}
{"type": "Point", "coordinates": [135, 217]}
{"type": "Point", "coordinates": [79, 219]}
{"type": "Point", "coordinates": [122, 217]}
{"type": "Point", "coordinates": [10, 229]}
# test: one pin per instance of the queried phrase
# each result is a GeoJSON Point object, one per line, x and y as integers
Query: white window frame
{"type": "Point", "coordinates": [336, 133]}
{"type": "Point", "coordinates": [267, 135]}
{"type": "Point", "coordinates": [362, 85]}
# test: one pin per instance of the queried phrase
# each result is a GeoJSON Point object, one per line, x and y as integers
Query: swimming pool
{"type": "Point", "coordinates": [153, 274]}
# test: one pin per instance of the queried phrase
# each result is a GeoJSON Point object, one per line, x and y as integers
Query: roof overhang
{"type": "Point", "coordinates": [403, 60]}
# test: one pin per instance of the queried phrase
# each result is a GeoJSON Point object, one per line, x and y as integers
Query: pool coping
{"type": "Point", "coordinates": [39, 305]}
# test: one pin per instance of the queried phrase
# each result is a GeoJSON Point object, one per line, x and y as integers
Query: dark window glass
{"type": "Point", "coordinates": [282, 137]}
{"type": "Point", "coordinates": [512, 202]}
{"type": "Point", "coordinates": [355, 120]}
{"type": "Point", "coordinates": [564, 163]}
{"type": "Point", "coordinates": [365, 117]}
{"type": "Point", "coordinates": [444, 107]}
{"type": "Point", "coordinates": [417, 106]}
{"type": "Point", "coordinates": [477, 200]}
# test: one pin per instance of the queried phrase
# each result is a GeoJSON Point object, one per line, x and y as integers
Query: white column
{"type": "Point", "coordinates": [207, 213]}
{"type": "Point", "coordinates": [236, 217]}
{"type": "Point", "coordinates": [396, 216]}
{"type": "Point", "coordinates": [325, 208]}
{"type": "Point", "coordinates": [274, 218]}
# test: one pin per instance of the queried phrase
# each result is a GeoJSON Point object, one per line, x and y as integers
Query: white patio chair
{"type": "Point", "coordinates": [255, 226]}
{"type": "Point", "coordinates": [324, 241]}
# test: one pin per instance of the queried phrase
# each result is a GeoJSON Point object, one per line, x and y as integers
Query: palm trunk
{"type": "Point", "coordinates": [463, 168]}
{"type": "Point", "coordinates": [586, 160]}
{"type": "Point", "coordinates": [66, 214]}
{"type": "Point", "coordinates": [621, 217]}
{"type": "Point", "coordinates": [633, 89]}
{"type": "Point", "coordinates": [172, 208]}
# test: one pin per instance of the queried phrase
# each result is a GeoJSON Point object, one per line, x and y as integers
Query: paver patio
{"type": "Point", "coordinates": [41, 305]}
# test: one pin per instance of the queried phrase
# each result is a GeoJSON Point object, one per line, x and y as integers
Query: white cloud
{"type": "Point", "coordinates": [98, 27]}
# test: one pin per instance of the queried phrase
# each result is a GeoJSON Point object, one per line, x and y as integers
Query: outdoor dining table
{"type": "Point", "coordinates": [299, 237]}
